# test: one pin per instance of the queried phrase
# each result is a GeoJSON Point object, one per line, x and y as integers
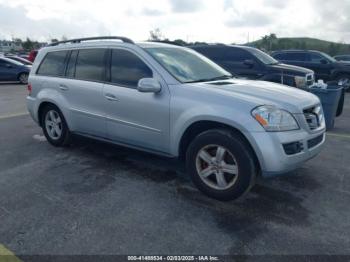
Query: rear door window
{"type": "Point", "coordinates": [90, 64]}
{"type": "Point", "coordinates": [53, 64]}
{"type": "Point", "coordinates": [127, 68]}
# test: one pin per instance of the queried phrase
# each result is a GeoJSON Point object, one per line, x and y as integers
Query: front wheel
{"type": "Point", "coordinates": [54, 126]}
{"type": "Point", "coordinates": [221, 164]}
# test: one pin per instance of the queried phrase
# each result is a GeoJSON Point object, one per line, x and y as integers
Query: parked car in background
{"type": "Point", "coordinates": [11, 70]}
{"type": "Point", "coordinates": [324, 66]}
{"type": "Point", "coordinates": [172, 101]}
{"type": "Point", "coordinates": [32, 55]}
{"type": "Point", "coordinates": [253, 63]}
{"type": "Point", "coordinates": [19, 59]}
{"type": "Point", "coordinates": [342, 57]}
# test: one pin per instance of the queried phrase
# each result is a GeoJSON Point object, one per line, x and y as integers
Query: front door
{"type": "Point", "coordinates": [135, 118]}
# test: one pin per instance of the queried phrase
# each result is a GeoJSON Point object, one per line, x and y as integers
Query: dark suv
{"type": "Point", "coordinates": [324, 66]}
{"type": "Point", "coordinates": [254, 64]}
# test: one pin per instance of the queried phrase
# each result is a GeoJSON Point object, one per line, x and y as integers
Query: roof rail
{"type": "Point", "coordinates": [78, 40]}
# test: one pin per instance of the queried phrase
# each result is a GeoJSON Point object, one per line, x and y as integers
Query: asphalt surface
{"type": "Point", "coordinates": [95, 198]}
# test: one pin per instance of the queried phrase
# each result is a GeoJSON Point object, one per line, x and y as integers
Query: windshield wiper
{"type": "Point", "coordinates": [211, 79]}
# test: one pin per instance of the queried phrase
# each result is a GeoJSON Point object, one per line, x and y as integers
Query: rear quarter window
{"type": "Point", "coordinates": [53, 64]}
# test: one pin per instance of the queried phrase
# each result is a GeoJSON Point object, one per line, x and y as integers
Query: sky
{"type": "Point", "coordinates": [225, 21]}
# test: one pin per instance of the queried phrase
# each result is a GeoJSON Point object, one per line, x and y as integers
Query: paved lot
{"type": "Point", "coordinates": [94, 198]}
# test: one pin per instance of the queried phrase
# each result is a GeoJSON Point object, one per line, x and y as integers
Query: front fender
{"type": "Point", "coordinates": [238, 119]}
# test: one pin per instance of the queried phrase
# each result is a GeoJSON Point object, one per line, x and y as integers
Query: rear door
{"type": "Point", "coordinates": [83, 89]}
{"type": "Point", "coordinates": [135, 118]}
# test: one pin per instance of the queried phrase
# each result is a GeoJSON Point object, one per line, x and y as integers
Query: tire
{"type": "Point", "coordinates": [23, 78]}
{"type": "Point", "coordinates": [54, 126]}
{"type": "Point", "coordinates": [237, 158]}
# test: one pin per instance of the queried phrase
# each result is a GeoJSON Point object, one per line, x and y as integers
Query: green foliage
{"type": "Point", "coordinates": [29, 45]}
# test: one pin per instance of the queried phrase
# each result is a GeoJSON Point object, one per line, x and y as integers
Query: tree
{"type": "Point", "coordinates": [156, 35]}
{"type": "Point", "coordinates": [272, 39]}
{"type": "Point", "coordinates": [265, 42]}
{"type": "Point", "coordinates": [333, 49]}
{"type": "Point", "coordinates": [28, 44]}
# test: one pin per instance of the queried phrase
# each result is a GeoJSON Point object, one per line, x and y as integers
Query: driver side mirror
{"type": "Point", "coordinates": [249, 63]}
{"type": "Point", "coordinates": [324, 61]}
{"type": "Point", "coordinates": [149, 85]}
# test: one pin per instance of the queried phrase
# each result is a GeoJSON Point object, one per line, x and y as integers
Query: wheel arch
{"type": "Point", "coordinates": [42, 106]}
{"type": "Point", "coordinates": [201, 126]}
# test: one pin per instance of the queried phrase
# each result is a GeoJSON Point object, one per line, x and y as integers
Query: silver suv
{"type": "Point", "coordinates": [172, 101]}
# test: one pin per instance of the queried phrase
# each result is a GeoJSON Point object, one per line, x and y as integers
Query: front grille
{"type": "Point", "coordinates": [313, 117]}
{"type": "Point", "coordinates": [315, 141]}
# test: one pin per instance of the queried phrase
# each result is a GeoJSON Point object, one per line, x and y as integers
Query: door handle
{"type": "Point", "coordinates": [111, 97]}
{"type": "Point", "coordinates": [63, 87]}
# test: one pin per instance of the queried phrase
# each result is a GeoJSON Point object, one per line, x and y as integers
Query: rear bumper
{"type": "Point", "coordinates": [273, 157]}
{"type": "Point", "coordinates": [32, 108]}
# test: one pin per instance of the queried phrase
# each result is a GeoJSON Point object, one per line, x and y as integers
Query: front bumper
{"type": "Point", "coordinates": [272, 155]}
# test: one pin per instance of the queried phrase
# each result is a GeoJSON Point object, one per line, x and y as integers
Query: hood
{"type": "Point", "coordinates": [297, 70]}
{"type": "Point", "coordinates": [264, 93]}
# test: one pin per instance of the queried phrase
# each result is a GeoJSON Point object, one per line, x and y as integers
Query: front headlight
{"type": "Point", "coordinates": [300, 81]}
{"type": "Point", "coordinates": [274, 119]}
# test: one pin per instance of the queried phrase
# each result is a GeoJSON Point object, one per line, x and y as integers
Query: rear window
{"type": "Point", "coordinates": [53, 64]}
{"type": "Point", "coordinates": [90, 64]}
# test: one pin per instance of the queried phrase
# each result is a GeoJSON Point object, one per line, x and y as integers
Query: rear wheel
{"type": "Point", "coordinates": [23, 78]}
{"type": "Point", "coordinates": [221, 164]}
{"type": "Point", "coordinates": [54, 126]}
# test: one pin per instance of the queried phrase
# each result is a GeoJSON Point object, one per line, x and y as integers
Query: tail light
{"type": "Point", "coordinates": [29, 88]}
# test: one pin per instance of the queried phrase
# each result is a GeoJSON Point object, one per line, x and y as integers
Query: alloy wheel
{"type": "Point", "coordinates": [217, 167]}
{"type": "Point", "coordinates": [53, 124]}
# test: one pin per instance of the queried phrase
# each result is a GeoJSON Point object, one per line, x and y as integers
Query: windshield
{"type": "Point", "coordinates": [263, 57]}
{"type": "Point", "coordinates": [187, 65]}
{"type": "Point", "coordinates": [328, 57]}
